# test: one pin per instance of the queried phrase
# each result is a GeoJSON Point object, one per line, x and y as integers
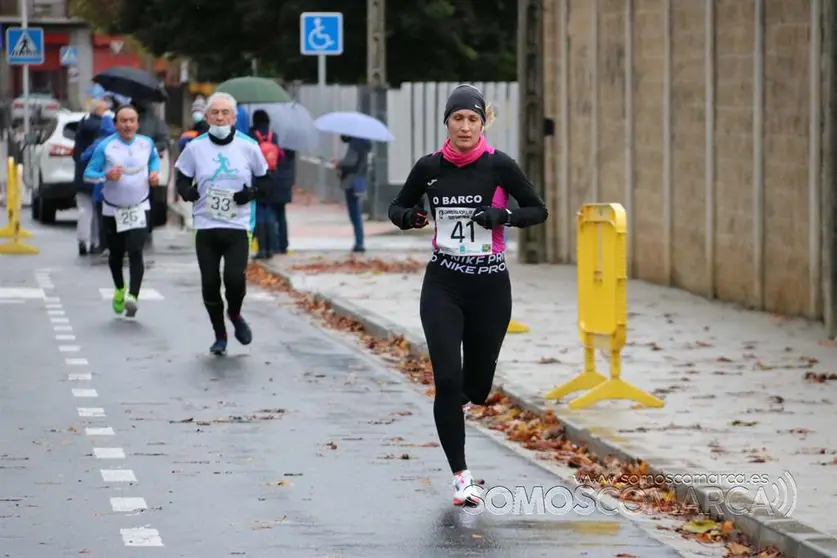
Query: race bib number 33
{"type": "Point", "coordinates": [128, 218]}
{"type": "Point", "coordinates": [221, 204]}
{"type": "Point", "coordinates": [457, 234]}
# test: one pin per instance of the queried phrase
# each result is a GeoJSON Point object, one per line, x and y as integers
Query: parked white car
{"type": "Point", "coordinates": [52, 169]}
{"type": "Point", "coordinates": [41, 106]}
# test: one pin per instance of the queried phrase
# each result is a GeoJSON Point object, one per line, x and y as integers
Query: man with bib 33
{"type": "Point", "coordinates": [466, 300]}
{"type": "Point", "coordinates": [222, 173]}
{"type": "Point", "coordinates": [127, 164]}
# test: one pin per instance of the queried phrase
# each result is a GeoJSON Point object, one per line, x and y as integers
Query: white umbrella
{"type": "Point", "coordinates": [354, 124]}
{"type": "Point", "coordinates": [292, 124]}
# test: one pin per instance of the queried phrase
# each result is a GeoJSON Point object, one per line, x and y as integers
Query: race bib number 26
{"type": "Point", "coordinates": [128, 218]}
{"type": "Point", "coordinates": [221, 204]}
{"type": "Point", "coordinates": [457, 235]}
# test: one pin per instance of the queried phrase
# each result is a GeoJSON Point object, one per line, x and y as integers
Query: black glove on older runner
{"type": "Point", "coordinates": [245, 195]}
{"type": "Point", "coordinates": [191, 195]}
{"type": "Point", "coordinates": [490, 217]}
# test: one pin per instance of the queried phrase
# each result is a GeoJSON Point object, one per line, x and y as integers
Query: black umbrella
{"type": "Point", "coordinates": [132, 82]}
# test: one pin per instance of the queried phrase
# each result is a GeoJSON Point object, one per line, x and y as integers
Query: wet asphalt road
{"type": "Point", "coordinates": [290, 447]}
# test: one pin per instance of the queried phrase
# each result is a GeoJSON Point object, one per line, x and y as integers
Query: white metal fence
{"type": "Point", "coordinates": [414, 115]}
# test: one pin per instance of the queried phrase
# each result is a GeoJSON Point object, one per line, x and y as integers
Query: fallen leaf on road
{"type": "Point", "coordinates": [404, 456]}
{"type": "Point", "coordinates": [85, 551]}
{"type": "Point", "coordinates": [736, 549]}
{"type": "Point", "coordinates": [549, 360]}
{"type": "Point", "coordinates": [625, 555]}
{"type": "Point", "coordinates": [743, 423]}
{"type": "Point", "coordinates": [828, 343]}
{"type": "Point", "coordinates": [280, 483]}
{"type": "Point", "coordinates": [331, 445]}
{"type": "Point", "coordinates": [474, 535]}
{"type": "Point", "coordinates": [819, 378]}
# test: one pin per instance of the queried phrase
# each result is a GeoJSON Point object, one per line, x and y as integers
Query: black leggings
{"type": "Point", "coordinates": [233, 246]}
{"type": "Point", "coordinates": [465, 318]}
{"type": "Point", "coordinates": [132, 242]}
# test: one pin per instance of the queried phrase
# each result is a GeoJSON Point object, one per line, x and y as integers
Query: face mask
{"type": "Point", "coordinates": [197, 116]}
{"type": "Point", "coordinates": [220, 132]}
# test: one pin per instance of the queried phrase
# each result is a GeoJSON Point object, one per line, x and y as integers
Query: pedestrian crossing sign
{"type": "Point", "coordinates": [25, 46]}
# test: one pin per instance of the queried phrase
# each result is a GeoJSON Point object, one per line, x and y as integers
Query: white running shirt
{"type": "Point", "coordinates": [220, 171]}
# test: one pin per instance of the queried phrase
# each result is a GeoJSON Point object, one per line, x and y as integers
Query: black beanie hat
{"type": "Point", "coordinates": [465, 97]}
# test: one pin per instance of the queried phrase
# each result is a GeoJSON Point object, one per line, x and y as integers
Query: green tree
{"type": "Point", "coordinates": [427, 40]}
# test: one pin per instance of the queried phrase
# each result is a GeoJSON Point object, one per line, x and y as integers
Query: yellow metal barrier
{"type": "Point", "coordinates": [13, 230]}
{"type": "Point", "coordinates": [602, 307]}
{"type": "Point", "coordinates": [517, 327]}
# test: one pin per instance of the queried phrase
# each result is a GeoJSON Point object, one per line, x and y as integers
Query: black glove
{"type": "Point", "coordinates": [191, 195]}
{"type": "Point", "coordinates": [244, 196]}
{"type": "Point", "coordinates": [490, 217]}
{"type": "Point", "coordinates": [416, 217]}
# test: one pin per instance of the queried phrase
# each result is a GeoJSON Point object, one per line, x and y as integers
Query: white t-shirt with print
{"type": "Point", "coordinates": [220, 171]}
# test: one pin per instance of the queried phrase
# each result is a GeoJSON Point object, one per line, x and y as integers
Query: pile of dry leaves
{"type": "Point", "coordinates": [540, 432]}
{"type": "Point", "coordinates": [362, 265]}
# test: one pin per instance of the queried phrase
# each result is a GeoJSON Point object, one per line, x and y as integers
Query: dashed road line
{"type": "Point", "coordinates": [109, 453]}
{"type": "Point", "coordinates": [127, 505]}
{"type": "Point", "coordinates": [99, 431]}
{"type": "Point", "coordinates": [118, 475]}
{"type": "Point", "coordinates": [137, 536]}
{"type": "Point", "coordinates": [76, 361]}
{"type": "Point", "coordinates": [141, 536]}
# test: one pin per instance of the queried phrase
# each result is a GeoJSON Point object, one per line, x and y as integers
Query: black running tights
{"type": "Point", "coordinates": [233, 246]}
{"type": "Point", "coordinates": [120, 243]}
{"type": "Point", "coordinates": [465, 319]}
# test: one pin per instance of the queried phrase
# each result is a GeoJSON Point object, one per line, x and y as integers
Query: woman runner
{"type": "Point", "coordinates": [221, 173]}
{"type": "Point", "coordinates": [126, 163]}
{"type": "Point", "coordinates": [466, 302]}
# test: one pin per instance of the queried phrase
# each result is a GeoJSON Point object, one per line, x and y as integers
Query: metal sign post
{"type": "Point", "coordinates": [321, 35]}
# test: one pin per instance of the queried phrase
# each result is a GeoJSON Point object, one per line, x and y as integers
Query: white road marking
{"type": "Point", "coordinates": [60, 320]}
{"type": "Point", "coordinates": [141, 536]}
{"type": "Point", "coordinates": [118, 475]}
{"type": "Point", "coordinates": [104, 431]}
{"type": "Point", "coordinates": [53, 306]}
{"type": "Point", "coordinates": [52, 299]}
{"type": "Point", "coordinates": [81, 392]}
{"type": "Point", "coordinates": [62, 328]}
{"type": "Point", "coordinates": [65, 337]}
{"type": "Point", "coordinates": [56, 312]}
{"type": "Point", "coordinates": [89, 412]}
{"type": "Point", "coordinates": [69, 348]}
{"type": "Point", "coordinates": [21, 292]}
{"type": "Point", "coordinates": [128, 504]}
{"type": "Point", "coordinates": [76, 361]}
{"type": "Point", "coordinates": [147, 294]}
{"type": "Point", "coordinates": [109, 453]}
{"type": "Point", "coordinates": [79, 376]}
{"type": "Point", "coordinates": [11, 301]}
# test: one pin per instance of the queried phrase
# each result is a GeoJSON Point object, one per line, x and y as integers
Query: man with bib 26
{"type": "Point", "coordinates": [222, 172]}
{"type": "Point", "coordinates": [126, 163]}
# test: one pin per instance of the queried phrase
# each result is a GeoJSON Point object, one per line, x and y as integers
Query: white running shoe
{"type": "Point", "coordinates": [130, 306]}
{"type": "Point", "coordinates": [465, 490]}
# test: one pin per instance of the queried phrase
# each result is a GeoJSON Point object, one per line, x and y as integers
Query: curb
{"type": "Point", "coordinates": [793, 538]}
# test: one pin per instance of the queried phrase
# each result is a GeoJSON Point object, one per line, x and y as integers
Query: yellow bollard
{"type": "Point", "coordinates": [602, 307]}
{"type": "Point", "coordinates": [517, 327]}
{"type": "Point", "coordinates": [14, 179]}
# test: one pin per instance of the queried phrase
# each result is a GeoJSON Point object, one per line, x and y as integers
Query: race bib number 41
{"type": "Point", "coordinates": [456, 234]}
{"type": "Point", "coordinates": [128, 218]}
{"type": "Point", "coordinates": [221, 204]}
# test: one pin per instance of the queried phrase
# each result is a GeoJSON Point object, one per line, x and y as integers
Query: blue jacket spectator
{"type": "Point", "coordinates": [106, 130]}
